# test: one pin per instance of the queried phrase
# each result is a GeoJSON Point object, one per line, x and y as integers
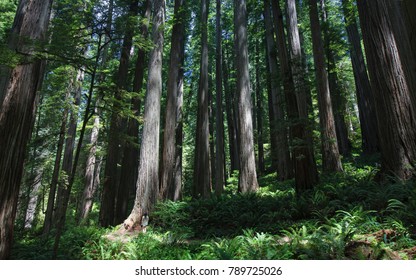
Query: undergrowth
{"type": "Point", "coordinates": [347, 216]}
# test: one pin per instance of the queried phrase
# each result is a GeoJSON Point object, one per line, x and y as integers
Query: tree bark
{"type": "Point", "coordinates": [231, 121]}
{"type": "Point", "coordinates": [365, 98]}
{"type": "Point", "coordinates": [89, 187]}
{"type": "Point", "coordinates": [284, 164]}
{"type": "Point", "coordinates": [394, 108]}
{"type": "Point", "coordinates": [202, 174]}
{"type": "Point", "coordinates": [51, 208]}
{"type": "Point", "coordinates": [330, 154]}
{"type": "Point", "coordinates": [306, 174]}
{"type": "Point", "coordinates": [18, 106]}
{"type": "Point", "coordinates": [148, 173]}
{"type": "Point", "coordinates": [112, 190]}
{"type": "Point", "coordinates": [171, 149]}
{"type": "Point", "coordinates": [91, 171]}
{"type": "Point", "coordinates": [248, 175]}
{"type": "Point", "coordinates": [338, 100]}
{"type": "Point", "coordinates": [259, 99]}
{"type": "Point", "coordinates": [219, 117]}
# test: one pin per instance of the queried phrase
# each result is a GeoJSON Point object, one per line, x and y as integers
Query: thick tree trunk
{"type": "Point", "coordinates": [248, 176]}
{"type": "Point", "coordinates": [395, 112]}
{"type": "Point", "coordinates": [173, 119]}
{"type": "Point", "coordinates": [202, 174]}
{"type": "Point", "coordinates": [18, 105]}
{"type": "Point", "coordinates": [365, 99]}
{"type": "Point", "coordinates": [284, 164]}
{"type": "Point", "coordinates": [330, 154]}
{"type": "Point", "coordinates": [306, 174]}
{"type": "Point", "coordinates": [130, 160]}
{"type": "Point", "coordinates": [112, 190]}
{"type": "Point", "coordinates": [148, 173]}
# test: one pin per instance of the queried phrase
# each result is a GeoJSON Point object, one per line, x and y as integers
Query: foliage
{"type": "Point", "coordinates": [348, 216]}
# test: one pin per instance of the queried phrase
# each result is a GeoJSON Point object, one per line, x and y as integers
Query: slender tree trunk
{"type": "Point", "coordinates": [89, 189]}
{"type": "Point", "coordinates": [148, 173]}
{"type": "Point", "coordinates": [284, 164]}
{"type": "Point", "coordinates": [219, 117]}
{"type": "Point", "coordinates": [248, 176]}
{"type": "Point", "coordinates": [50, 210]}
{"type": "Point", "coordinates": [231, 121]}
{"type": "Point", "coordinates": [330, 154]}
{"type": "Point", "coordinates": [33, 200]}
{"type": "Point", "coordinates": [306, 174]}
{"type": "Point", "coordinates": [394, 108]}
{"type": "Point", "coordinates": [173, 120]}
{"type": "Point", "coordinates": [91, 172]}
{"type": "Point", "coordinates": [367, 114]}
{"type": "Point", "coordinates": [61, 219]}
{"type": "Point", "coordinates": [338, 100]}
{"type": "Point", "coordinates": [18, 105]}
{"type": "Point", "coordinates": [202, 174]}
{"type": "Point", "coordinates": [259, 99]}
{"type": "Point", "coordinates": [302, 89]}
{"type": "Point", "coordinates": [76, 88]}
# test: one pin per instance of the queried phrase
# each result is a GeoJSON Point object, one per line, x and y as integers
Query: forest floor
{"type": "Point", "coordinates": [347, 216]}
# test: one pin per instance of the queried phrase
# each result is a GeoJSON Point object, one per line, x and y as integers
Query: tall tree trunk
{"type": "Point", "coordinates": [338, 100]}
{"type": "Point", "coordinates": [89, 188]}
{"type": "Point", "coordinates": [30, 212]}
{"type": "Point", "coordinates": [130, 160]}
{"type": "Point", "coordinates": [259, 99]}
{"type": "Point", "coordinates": [18, 105]}
{"type": "Point", "coordinates": [330, 154]}
{"type": "Point", "coordinates": [202, 174]}
{"type": "Point", "coordinates": [112, 190]}
{"type": "Point", "coordinates": [302, 89]}
{"type": "Point", "coordinates": [284, 164]}
{"type": "Point", "coordinates": [91, 171]}
{"type": "Point", "coordinates": [51, 208]}
{"type": "Point", "coordinates": [306, 174]}
{"type": "Point", "coordinates": [76, 88]}
{"type": "Point", "coordinates": [61, 219]}
{"type": "Point", "coordinates": [219, 117]}
{"type": "Point", "coordinates": [272, 122]}
{"type": "Point", "coordinates": [367, 114]}
{"type": "Point", "coordinates": [231, 121]}
{"type": "Point", "coordinates": [173, 119]}
{"type": "Point", "coordinates": [148, 173]}
{"type": "Point", "coordinates": [248, 175]}
{"type": "Point", "coordinates": [394, 108]}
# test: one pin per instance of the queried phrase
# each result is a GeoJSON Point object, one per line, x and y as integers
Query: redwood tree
{"type": "Point", "coordinates": [248, 175]}
{"type": "Point", "coordinates": [395, 112]}
{"type": "Point", "coordinates": [148, 173]}
{"type": "Point", "coordinates": [202, 171]}
{"type": "Point", "coordinates": [330, 154]}
{"type": "Point", "coordinates": [171, 151]}
{"type": "Point", "coordinates": [18, 105]}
